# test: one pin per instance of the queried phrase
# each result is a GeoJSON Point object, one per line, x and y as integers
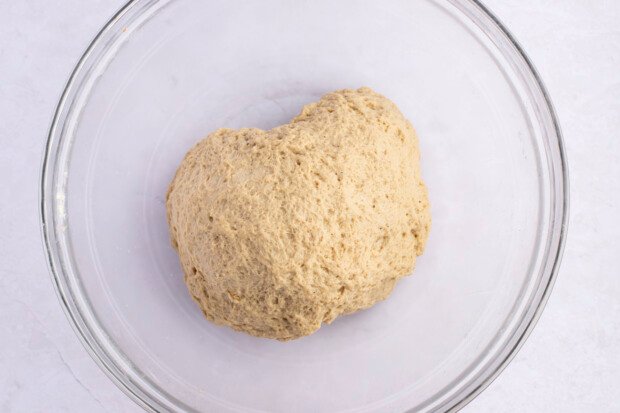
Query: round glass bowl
{"type": "Point", "coordinates": [163, 74]}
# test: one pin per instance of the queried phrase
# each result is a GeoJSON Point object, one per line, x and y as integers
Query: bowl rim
{"type": "Point", "coordinates": [142, 394]}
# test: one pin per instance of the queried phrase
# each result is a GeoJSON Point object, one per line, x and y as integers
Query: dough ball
{"type": "Point", "coordinates": [282, 230]}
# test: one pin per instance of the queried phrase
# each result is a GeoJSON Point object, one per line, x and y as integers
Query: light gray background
{"type": "Point", "coordinates": [571, 362]}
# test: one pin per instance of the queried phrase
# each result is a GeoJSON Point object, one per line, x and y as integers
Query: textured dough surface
{"type": "Point", "coordinates": [282, 230]}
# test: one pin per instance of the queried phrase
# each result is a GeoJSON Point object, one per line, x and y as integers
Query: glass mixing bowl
{"type": "Point", "coordinates": [162, 74]}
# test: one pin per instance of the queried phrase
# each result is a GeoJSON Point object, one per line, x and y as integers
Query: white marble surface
{"type": "Point", "coordinates": [571, 363]}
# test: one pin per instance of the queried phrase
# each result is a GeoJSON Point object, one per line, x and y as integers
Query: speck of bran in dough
{"type": "Point", "coordinates": [282, 230]}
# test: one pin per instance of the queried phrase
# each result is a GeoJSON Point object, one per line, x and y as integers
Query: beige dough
{"type": "Point", "coordinates": [280, 231]}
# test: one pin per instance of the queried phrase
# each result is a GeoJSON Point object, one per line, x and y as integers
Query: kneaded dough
{"type": "Point", "coordinates": [282, 230]}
